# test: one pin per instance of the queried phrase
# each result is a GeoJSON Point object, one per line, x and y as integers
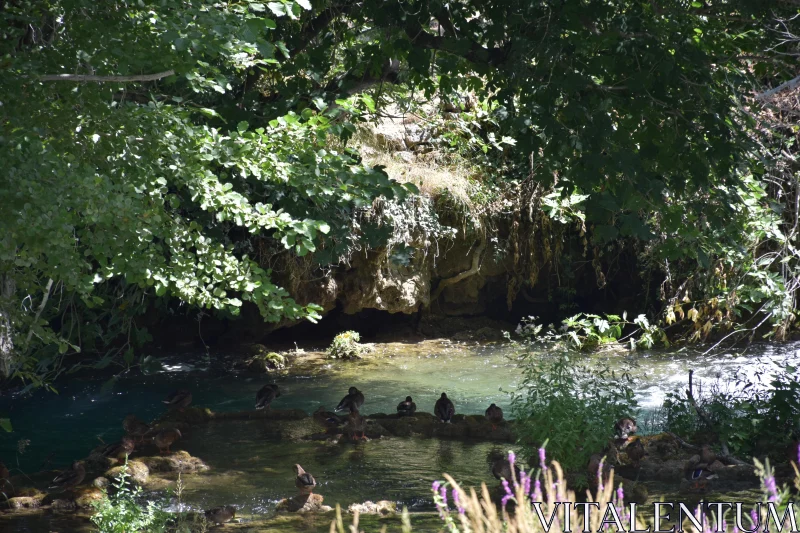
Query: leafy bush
{"type": "Point", "coordinates": [741, 413]}
{"type": "Point", "coordinates": [346, 346]}
{"type": "Point", "coordinates": [125, 511]}
{"type": "Point", "coordinates": [570, 404]}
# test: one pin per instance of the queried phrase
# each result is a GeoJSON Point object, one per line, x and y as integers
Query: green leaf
{"type": "Point", "coordinates": [305, 4]}
{"type": "Point", "coordinates": [5, 423]}
{"type": "Point", "coordinates": [241, 127]}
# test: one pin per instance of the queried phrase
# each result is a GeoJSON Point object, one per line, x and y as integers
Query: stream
{"type": "Point", "coordinates": [251, 467]}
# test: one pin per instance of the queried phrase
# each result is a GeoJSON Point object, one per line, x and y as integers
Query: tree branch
{"type": "Point", "coordinates": [476, 265]}
{"type": "Point", "coordinates": [316, 25]}
{"type": "Point", "coordinates": [466, 48]}
{"type": "Point", "coordinates": [104, 79]}
{"type": "Point", "coordinates": [790, 85]}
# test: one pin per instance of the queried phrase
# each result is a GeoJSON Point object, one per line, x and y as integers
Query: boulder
{"type": "Point", "coordinates": [304, 503]}
{"type": "Point", "coordinates": [382, 507]}
{"type": "Point", "coordinates": [32, 500]}
{"type": "Point", "coordinates": [179, 461]}
{"type": "Point", "coordinates": [85, 497]}
{"type": "Point", "coordinates": [137, 470]}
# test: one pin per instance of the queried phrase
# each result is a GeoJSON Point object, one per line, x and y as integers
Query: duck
{"type": "Point", "coordinates": [407, 407]}
{"type": "Point", "coordinates": [165, 438]}
{"type": "Point", "coordinates": [625, 427]}
{"type": "Point", "coordinates": [179, 399]}
{"type": "Point", "coordinates": [494, 414]}
{"type": "Point", "coordinates": [220, 515]}
{"type": "Point", "coordinates": [635, 451]}
{"type": "Point", "coordinates": [265, 395]}
{"type": "Point", "coordinates": [69, 478]}
{"type": "Point", "coordinates": [501, 469]}
{"type": "Point", "coordinates": [304, 481]}
{"type": "Point", "coordinates": [120, 450]}
{"type": "Point", "coordinates": [135, 427]}
{"type": "Point", "coordinates": [356, 423]}
{"type": "Point", "coordinates": [352, 402]}
{"type": "Point", "coordinates": [326, 418]}
{"type": "Point", "coordinates": [707, 455]}
{"type": "Point", "coordinates": [444, 408]}
{"type": "Point", "coordinates": [699, 467]}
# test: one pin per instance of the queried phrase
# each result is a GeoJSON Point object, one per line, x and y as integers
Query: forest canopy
{"type": "Point", "coordinates": [157, 151]}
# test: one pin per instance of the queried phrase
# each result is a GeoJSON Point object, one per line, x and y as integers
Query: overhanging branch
{"type": "Point", "coordinates": [789, 85]}
{"type": "Point", "coordinates": [104, 79]}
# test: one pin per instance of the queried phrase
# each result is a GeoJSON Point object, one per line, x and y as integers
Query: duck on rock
{"type": "Point", "coordinates": [625, 427]}
{"type": "Point", "coordinates": [120, 450]}
{"type": "Point", "coordinates": [304, 481]}
{"type": "Point", "coordinates": [265, 395]}
{"type": "Point", "coordinates": [407, 407]}
{"type": "Point", "coordinates": [180, 399]}
{"type": "Point", "coordinates": [356, 426]}
{"type": "Point", "coordinates": [326, 419]}
{"type": "Point", "coordinates": [494, 415]}
{"type": "Point", "coordinates": [135, 427]}
{"type": "Point", "coordinates": [352, 402]}
{"type": "Point", "coordinates": [444, 409]}
{"type": "Point", "coordinates": [69, 478]}
{"type": "Point", "coordinates": [165, 438]}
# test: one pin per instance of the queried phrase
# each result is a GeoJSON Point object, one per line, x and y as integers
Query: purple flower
{"type": "Point", "coordinates": [443, 494]}
{"type": "Point", "coordinates": [457, 502]}
{"type": "Point", "coordinates": [526, 483]}
{"type": "Point", "coordinates": [435, 486]}
{"type": "Point", "coordinates": [542, 458]}
{"type": "Point", "coordinates": [772, 489]}
{"type": "Point", "coordinates": [537, 491]}
{"type": "Point", "coordinates": [755, 518]}
{"type": "Point", "coordinates": [620, 494]}
{"type": "Point", "coordinates": [505, 499]}
{"type": "Point", "coordinates": [507, 488]}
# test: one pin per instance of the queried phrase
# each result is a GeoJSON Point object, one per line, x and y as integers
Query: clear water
{"type": "Point", "coordinates": [251, 461]}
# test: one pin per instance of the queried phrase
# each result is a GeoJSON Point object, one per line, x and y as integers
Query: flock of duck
{"type": "Point", "coordinates": [136, 431]}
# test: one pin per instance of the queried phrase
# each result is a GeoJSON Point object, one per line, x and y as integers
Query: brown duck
{"type": "Point", "coordinates": [494, 414]}
{"type": "Point", "coordinates": [304, 481]}
{"type": "Point", "coordinates": [356, 425]}
{"type": "Point", "coordinates": [265, 395]}
{"type": "Point", "coordinates": [180, 399]}
{"type": "Point", "coordinates": [407, 407]}
{"type": "Point", "coordinates": [444, 408]}
{"type": "Point", "coordinates": [625, 427]}
{"type": "Point", "coordinates": [135, 427]}
{"type": "Point", "coordinates": [326, 418]}
{"type": "Point", "coordinates": [220, 515]}
{"type": "Point", "coordinates": [69, 478]}
{"type": "Point", "coordinates": [165, 438]}
{"type": "Point", "coordinates": [635, 451]}
{"type": "Point", "coordinates": [120, 450]}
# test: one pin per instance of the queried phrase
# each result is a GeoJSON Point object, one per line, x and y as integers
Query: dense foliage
{"type": "Point", "coordinates": [158, 154]}
{"type": "Point", "coordinates": [569, 404]}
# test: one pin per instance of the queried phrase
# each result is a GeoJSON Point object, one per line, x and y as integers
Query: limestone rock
{"type": "Point", "coordinates": [100, 482]}
{"type": "Point", "coordinates": [137, 470]}
{"type": "Point", "coordinates": [85, 497]}
{"type": "Point", "coordinates": [31, 501]}
{"type": "Point", "coordinates": [304, 503]}
{"type": "Point", "coordinates": [179, 461]}
{"type": "Point", "coordinates": [62, 504]}
{"type": "Point", "coordinates": [382, 507]}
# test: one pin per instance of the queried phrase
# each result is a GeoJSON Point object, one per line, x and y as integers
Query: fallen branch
{"type": "Point", "coordinates": [791, 84]}
{"type": "Point", "coordinates": [476, 265]}
{"type": "Point", "coordinates": [103, 79]}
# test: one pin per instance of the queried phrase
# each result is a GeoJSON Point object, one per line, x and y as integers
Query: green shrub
{"type": "Point", "coordinates": [346, 346]}
{"type": "Point", "coordinates": [126, 511]}
{"type": "Point", "coordinates": [570, 404]}
{"type": "Point", "coordinates": [748, 418]}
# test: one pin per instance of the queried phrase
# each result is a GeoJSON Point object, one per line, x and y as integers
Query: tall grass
{"type": "Point", "coordinates": [532, 500]}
